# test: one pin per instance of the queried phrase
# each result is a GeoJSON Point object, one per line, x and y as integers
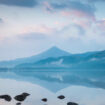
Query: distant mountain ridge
{"type": "Point", "coordinates": [57, 58]}
{"type": "Point", "coordinates": [92, 60]}
{"type": "Point", "coordinates": [52, 52]}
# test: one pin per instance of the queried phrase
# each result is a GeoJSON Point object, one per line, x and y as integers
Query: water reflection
{"type": "Point", "coordinates": [77, 85]}
{"type": "Point", "coordinates": [62, 79]}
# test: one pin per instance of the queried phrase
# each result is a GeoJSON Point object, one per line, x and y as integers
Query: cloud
{"type": "Point", "coordinates": [48, 7]}
{"type": "Point", "coordinates": [100, 27]}
{"type": "Point", "coordinates": [81, 29]}
{"type": "Point", "coordinates": [101, 24]}
{"type": "Point", "coordinates": [39, 32]}
{"type": "Point", "coordinates": [86, 23]}
{"type": "Point", "coordinates": [44, 32]}
{"type": "Point", "coordinates": [32, 36]}
{"type": "Point", "coordinates": [85, 8]}
{"type": "Point", "coordinates": [24, 3]}
{"type": "Point", "coordinates": [77, 14]}
{"type": "Point", "coordinates": [95, 0]}
{"type": "Point", "coordinates": [1, 20]}
{"type": "Point", "coordinates": [71, 31]}
{"type": "Point", "coordinates": [43, 29]}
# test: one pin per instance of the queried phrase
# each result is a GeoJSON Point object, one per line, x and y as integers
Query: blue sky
{"type": "Point", "coordinates": [28, 27]}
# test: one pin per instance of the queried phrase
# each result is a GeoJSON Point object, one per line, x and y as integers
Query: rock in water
{"type": "Point", "coordinates": [18, 103]}
{"type": "Point", "coordinates": [6, 97]}
{"type": "Point", "coordinates": [44, 99]}
{"type": "Point", "coordinates": [71, 103]}
{"type": "Point", "coordinates": [21, 97]}
{"type": "Point", "coordinates": [61, 97]}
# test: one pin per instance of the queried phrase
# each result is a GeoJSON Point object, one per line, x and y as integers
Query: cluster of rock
{"type": "Point", "coordinates": [20, 98]}
{"type": "Point", "coordinates": [61, 97]}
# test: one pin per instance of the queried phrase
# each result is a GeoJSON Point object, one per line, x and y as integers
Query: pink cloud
{"type": "Point", "coordinates": [83, 23]}
{"type": "Point", "coordinates": [43, 29]}
{"type": "Point", "coordinates": [77, 14]}
{"type": "Point", "coordinates": [80, 18]}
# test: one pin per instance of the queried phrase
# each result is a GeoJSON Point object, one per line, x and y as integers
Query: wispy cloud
{"type": "Point", "coordinates": [72, 31]}
{"type": "Point", "coordinates": [100, 27]}
{"type": "Point", "coordinates": [43, 29]}
{"type": "Point", "coordinates": [72, 5]}
{"type": "Point", "coordinates": [32, 36]}
{"type": "Point", "coordinates": [36, 33]}
{"type": "Point", "coordinates": [101, 24]}
{"type": "Point", "coordinates": [24, 3]}
{"type": "Point", "coordinates": [95, 1]}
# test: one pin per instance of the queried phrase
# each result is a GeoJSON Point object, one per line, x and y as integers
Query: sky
{"type": "Point", "coordinates": [28, 27]}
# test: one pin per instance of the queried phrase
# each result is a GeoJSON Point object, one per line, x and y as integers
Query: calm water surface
{"type": "Point", "coordinates": [85, 87]}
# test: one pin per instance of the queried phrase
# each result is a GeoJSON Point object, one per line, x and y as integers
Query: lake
{"type": "Point", "coordinates": [85, 87]}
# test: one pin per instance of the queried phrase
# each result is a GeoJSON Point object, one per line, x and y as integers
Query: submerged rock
{"type": "Point", "coordinates": [6, 97]}
{"type": "Point", "coordinates": [44, 99]}
{"type": "Point", "coordinates": [61, 97]}
{"type": "Point", "coordinates": [71, 103]}
{"type": "Point", "coordinates": [21, 97]}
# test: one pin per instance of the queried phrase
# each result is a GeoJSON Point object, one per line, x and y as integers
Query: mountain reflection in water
{"type": "Point", "coordinates": [78, 85]}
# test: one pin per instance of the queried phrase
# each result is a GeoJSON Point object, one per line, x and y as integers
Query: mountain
{"type": "Point", "coordinates": [52, 52]}
{"type": "Point", "coordinates": [92, 60]}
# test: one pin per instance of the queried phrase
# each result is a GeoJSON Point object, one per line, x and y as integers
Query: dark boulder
{"type": "Point", "coordinates": [21, 97]}
{"type": "Point", "coordinates": [6, 97]}
{"type": "Point", "coordinates": [44, 99]}
{"type": "Point", "coordinates": [71, 103]}
{"type": "Point", "coordinates": [61, 97]}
